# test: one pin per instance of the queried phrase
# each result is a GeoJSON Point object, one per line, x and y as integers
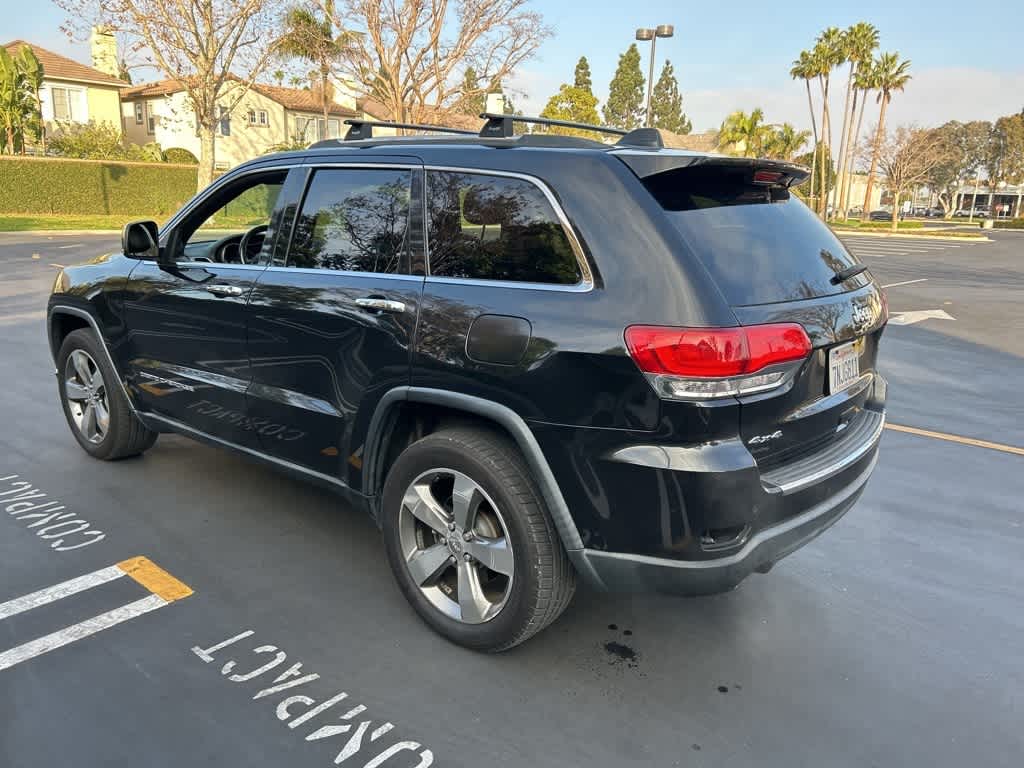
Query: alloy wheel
{"type": "Point", "coordinates": [86, 395]}
{"type": "Point", "coordinates": [456, 546]}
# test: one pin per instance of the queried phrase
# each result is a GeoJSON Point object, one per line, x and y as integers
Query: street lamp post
{"type": "Point", "coordinates": [662, 30]}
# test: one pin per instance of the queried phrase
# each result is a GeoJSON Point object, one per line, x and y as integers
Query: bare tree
{"type": "Point", "coordinates": [907, 157]}
{"type": "Point", "coordinates": [412, 55]}
{"type": "Point", "coordinates": [214, 49]}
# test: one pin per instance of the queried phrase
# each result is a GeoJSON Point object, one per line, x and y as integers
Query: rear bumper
{"type": "Point", "coordinates": [617, 571]}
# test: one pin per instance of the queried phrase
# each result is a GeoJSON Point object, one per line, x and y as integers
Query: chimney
{"type": "Point", "coordinates": [495, 103]}
{"type": "Point", "coordinates": [104, 51]}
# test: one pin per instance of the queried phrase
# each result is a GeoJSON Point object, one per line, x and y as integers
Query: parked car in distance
{"type": "Point", "coordinates": [935, 212]}
{"type": "Point", "coordinates": [880, 215]}
{"type": "Point", "coordinates": [453, 334]}
{"type": "Point", "coordinates": [964, 213]}
{"type": "Point", "coordinates": [856, 210]}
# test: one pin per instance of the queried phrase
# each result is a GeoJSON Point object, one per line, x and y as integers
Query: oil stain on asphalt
{"type": "Point", "coordinates": [621, 654]}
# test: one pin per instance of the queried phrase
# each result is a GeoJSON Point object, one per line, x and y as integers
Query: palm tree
{"type": "Point", "coordinates": [741, 129]}
{"type": "Point", "coordinates": [312, 39]}
{"type": "Point", "coordinates": [803, 69]}
{"type": "Point", "coordinates": [784, 141]}
{"type": "Point", "coordinates": [863, 83]}
{"type": "Point", "coordinates": [890, 75]}
{"type": "Point", "coordinates": [860, 41]}
{"type": "Point", "coordinates": [828, 54]}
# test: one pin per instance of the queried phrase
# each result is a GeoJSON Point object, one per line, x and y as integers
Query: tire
{"type": "Point", "coordinates": [121, 434]}
{"type": "Point", "coordinates": [509, 507]}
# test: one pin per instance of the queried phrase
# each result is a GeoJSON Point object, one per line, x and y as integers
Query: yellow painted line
{"type": "Point", "coordinates": [155, 579]}
{"type": "Point", "coordinates": [957, 439]}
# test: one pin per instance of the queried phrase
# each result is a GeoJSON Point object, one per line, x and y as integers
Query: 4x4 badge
{"type": "Point", "coordinates": [758, 439]}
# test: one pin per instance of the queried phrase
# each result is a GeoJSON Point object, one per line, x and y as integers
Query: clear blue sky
{"type": "Point", "coordinates": [967, 59]}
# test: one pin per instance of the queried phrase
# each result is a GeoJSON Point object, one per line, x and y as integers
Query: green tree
{"type": "Point", "coordinates": [582, 75]}
{"type": "Point", "coordinates": [474, 98]}
{"type": "Point", "coordinates": [309, 36]}
{"type": "Point", "coordinates": [744, 134]}
{"type": "Point", "coordinates": [278, 75]}
{"type": "Point", "coordinates": [667, 103]}
{"type": "Point", "coordinates": [101, 141]}
{"type": "Point", "coordinates": [889, 75]}
{"type": "Point", "coordinates": [574, 104]}
{"type": "Point", "coordinates": [20, 114]}
{"type": "Point", "coordinates": [784, 141]}
{"type": "Point", "coordinates": [828, 53]}
{"type": "Point", "coordinates": [859, 43]}
{"type": "Point", "coordinates": [1004, 155]}
{"type": "Point", "coordinates": [823, 160]}
{"type": "Point", "coordinates": [805, 68]}
{"type": "Point", "coordinates": [624, 108]}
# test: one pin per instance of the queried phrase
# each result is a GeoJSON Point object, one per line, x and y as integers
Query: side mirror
{"type": "Point", "coordinates": [138, 240]}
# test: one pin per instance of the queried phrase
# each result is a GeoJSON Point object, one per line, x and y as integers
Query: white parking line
{"type": "Point", "coordinates": [73, 245]}
{"type": "Point", "coordinates": [906, 282]}
{"type": "Point", "coordinates": [59, 591]}
{"type": "Point", "coordinates": [82, 629]}
{"type": "Point", "coordinates": [164, 589]}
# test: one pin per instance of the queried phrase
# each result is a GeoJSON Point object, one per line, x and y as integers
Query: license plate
{"type": "Point", "coordinates": [843, 366]}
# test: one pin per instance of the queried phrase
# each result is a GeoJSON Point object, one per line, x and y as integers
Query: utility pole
{"type": "Point", "coordinates": [662, 30]}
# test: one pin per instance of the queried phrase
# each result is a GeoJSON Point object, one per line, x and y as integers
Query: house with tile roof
{"type": "Point", "coordinates": [266, 117]}
{"type": "Point", "coordinates": [73, 92]}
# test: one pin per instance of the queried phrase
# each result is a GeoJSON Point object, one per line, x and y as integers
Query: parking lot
{"type": "Point", "coordinates": [894, 639]}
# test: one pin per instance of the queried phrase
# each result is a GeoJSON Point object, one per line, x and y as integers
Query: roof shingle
{"type": "Point", "coordinates": [60, 67]}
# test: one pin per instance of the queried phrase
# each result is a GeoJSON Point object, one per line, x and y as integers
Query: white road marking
{"type": "Point", "coordinates": [916, 316]}
{"type": "Point", "coordinates": [164, 589]}
{"type": "Point", "coordinates": [80, 630]}
{"type": "Point", "coordinates": [73, 245]}
{"type": "Point", "coordinates": [55, 264]}
{"type": "Point", "coordinates": [907, 282]}
{"type": "Point", "coordinates": [59, 591]}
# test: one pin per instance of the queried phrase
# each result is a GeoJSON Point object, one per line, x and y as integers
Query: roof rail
{"type": "Point", "coordinates": [501, 125]}
{"type": "Point", "coordinates": [363, 129]}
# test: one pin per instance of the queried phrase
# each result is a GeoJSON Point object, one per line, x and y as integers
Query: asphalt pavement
{"type": "Point", "coordinates": [895, 639]}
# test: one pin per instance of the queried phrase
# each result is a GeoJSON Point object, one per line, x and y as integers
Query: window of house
{"type": "Point", "coordinates": [224, 118]}
{"type": "Point", "coordinates": [263, 117]}
{"type": "Point", "coordinates": [495, 228]}
{"type": "Point", "coordinates": [355, 220]}
{"type": "Point", "coordinates": [251, 117]}
{"type": "Point", "coordinates": [138, 113]}
{"type": "Point", "coordinates": [150, 117]}
{"type": "Point", "coordinates": [62, 103]}
{"type": "Point", "coordinates": [302, 128]}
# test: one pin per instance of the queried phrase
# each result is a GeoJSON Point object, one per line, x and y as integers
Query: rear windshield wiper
{"type": "Point", "coordinates": [842, 275]}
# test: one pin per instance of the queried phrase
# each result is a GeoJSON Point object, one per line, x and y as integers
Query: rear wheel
{"type": "Point", "coordinates": [95, 406]}
{"type": "Point", "coordinates": [469, 540]}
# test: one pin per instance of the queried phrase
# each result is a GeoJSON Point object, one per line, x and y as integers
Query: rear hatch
{"type": "Point", "coordinates": [776, 262]}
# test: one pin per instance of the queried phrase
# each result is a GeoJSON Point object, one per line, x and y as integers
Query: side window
{"type": "Point", "coordinates": [355, 220]}
{"type": "Point", "coordinates": [495, 228]}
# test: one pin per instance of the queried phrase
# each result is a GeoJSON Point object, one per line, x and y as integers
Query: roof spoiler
{"type": "Point", "coordinates": [776, 173]}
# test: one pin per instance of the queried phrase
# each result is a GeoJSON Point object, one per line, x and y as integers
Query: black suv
{"type": "Point", "coordinates": [531, 359]}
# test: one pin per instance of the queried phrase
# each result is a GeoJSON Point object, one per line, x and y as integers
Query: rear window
{"type": "Point", "coordinates": [761, 245]}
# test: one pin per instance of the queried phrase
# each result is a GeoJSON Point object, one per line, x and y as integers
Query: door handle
{"type": "Point", "coordinates": [224, 290]}
{"type": "Point", "coordinates": [381, 305]}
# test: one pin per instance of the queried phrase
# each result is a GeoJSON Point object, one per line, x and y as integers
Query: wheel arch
{"type": "Point", "coordinates": [62, 320]}
{"type": "Point", "coordinates": [383, 427]}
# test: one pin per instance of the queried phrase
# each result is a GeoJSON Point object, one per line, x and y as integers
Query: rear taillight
{"type": "Point", "coordinates": [705, 363]}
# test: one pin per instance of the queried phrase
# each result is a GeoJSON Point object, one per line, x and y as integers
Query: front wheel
{"type": "Point", "coordinates": [470, 542]}
{"type": "Point", "coordinates": [97, 411]}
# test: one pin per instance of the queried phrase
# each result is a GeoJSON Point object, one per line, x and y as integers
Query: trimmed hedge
{"type": "Point", "coordinates": [52, 185]}
{"type": "Point", "coordinates": [1009, 224]}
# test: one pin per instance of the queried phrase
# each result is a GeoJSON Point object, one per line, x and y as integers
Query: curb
{"type": "Point", "coordinates": [905, 236]}
{"type": "Point", "coordinates": [59, 232]}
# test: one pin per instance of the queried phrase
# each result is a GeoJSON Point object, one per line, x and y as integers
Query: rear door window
{"type": "Point", "coordinates": [761, 245]}
{"type": "Point", "coordinates": [488, 227]}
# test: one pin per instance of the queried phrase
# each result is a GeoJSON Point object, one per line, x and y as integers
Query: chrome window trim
{"type": "Point", "coordinates": [345, 273]}
{"type": "Point", "coordinates": [586, 282]}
